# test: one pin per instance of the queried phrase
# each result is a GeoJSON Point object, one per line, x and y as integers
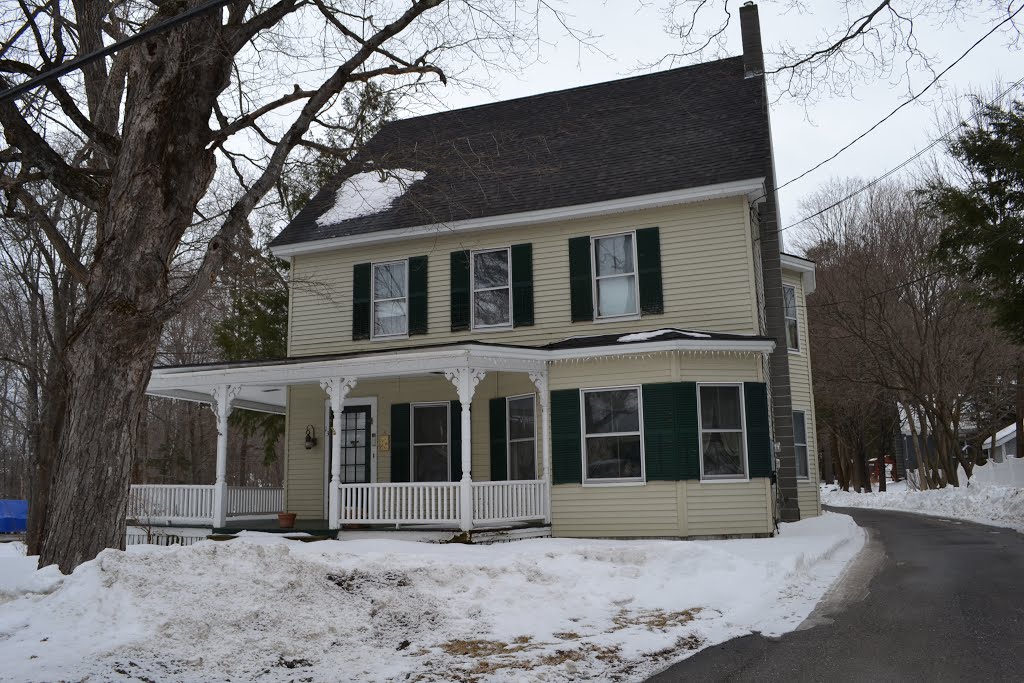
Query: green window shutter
{"type": "Point", "coordinates": [688, 430]}
{"type": "Point", "coordinates": [522, 285]}
{"type": "Point", "coordinates": [400, 442]}
{"type": "Point", "coordinates": [759, 438]}
{"type": "Point", "coordinates": [566, 442]}
{"type": "Point", "coordinates": [499, 447]}
{"type": "Point", "coordinates": [361, 301]}
{"type": "Point", "coordinates": [663, 452]}
{"type": "Point", "coordinates": [581, 293]}
{"type": "Point", "coordinates": [455, 438]}
{"type": "Point", "coordinates": [648, 256]}
{"type": "Point", "coordinates": [460, 291]}
{"type": "Point", "coordinates": [418, 295]}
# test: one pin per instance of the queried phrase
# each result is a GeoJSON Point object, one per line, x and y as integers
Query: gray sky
{"type": "Point", "coordinates": [633, 34]}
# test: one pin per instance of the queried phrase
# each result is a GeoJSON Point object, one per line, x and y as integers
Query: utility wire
{"type": "Point", "coordinates": [79, 62]}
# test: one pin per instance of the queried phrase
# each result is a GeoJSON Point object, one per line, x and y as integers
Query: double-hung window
{"type": "Point", "coordinates": [522, 437]}
{"type": "Point", "coordinates": [615, 282]}
{"type": "Point", "coordinates": [391, 299]}
{"type": "Point", "coordinates": [792, 327]}
{"type": "Point", "coordinates": [430, 443]}
{"type": "Point", "coordinates": [722, 441]}
{"type": "Point", "coordinates": [613, 440]}
{"type": "Point", "coordinates": [492, 288]}
{"type": "Point", "coordinates": [800, 442]}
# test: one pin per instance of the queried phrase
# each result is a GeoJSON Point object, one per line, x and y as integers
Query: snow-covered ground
{"type": "Point", "coordinates": [262, 608]}
{"type": "Point", "coordinates": [983, 503]}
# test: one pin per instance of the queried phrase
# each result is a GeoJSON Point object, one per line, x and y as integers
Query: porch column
{"type": "Point", "coordinates": [222, 397]}
{"type": "Point", "coordinates": [337, 389]}
{"type": "Point", "coordinates": [540, 380]}
{"type": "Point", "coordinates": [465, 381]}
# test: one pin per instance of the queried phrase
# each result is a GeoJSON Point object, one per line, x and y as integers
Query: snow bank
{"type": "Point", "coordinates": [365, 194]}
{"type": "Point", "coordinates": [380, 610]}
{"type": "Point", "coordinates": [983, 503]}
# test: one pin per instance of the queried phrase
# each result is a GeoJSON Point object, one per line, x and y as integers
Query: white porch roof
{"type": "Point", "coordinates": [261, 386]}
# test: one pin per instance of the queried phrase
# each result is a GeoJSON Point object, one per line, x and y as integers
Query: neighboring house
{"type": "Point", "coordinates": [1005, 446]}
{"type": "Point", "coordinates": [567, 310]}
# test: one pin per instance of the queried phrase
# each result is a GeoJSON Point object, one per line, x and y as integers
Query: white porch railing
{"type": "Point", "coordinates": [509, 501]}
{"type": "Point", "coordinates": [420, 503]}
{"type": "Point", "coordinates": [194, 504]}
{"type": "Point", "coordinates": [244, 501]}
{"type": "Point", "coordinates": [171, 504]}
{"type": "Point", "coordinates": [439, 503]}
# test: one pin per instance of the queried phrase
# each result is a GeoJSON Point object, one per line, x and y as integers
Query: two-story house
{"type": "Point", "coordinates": [568, 310]}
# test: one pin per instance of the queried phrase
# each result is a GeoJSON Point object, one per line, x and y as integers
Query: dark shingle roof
{"type": "Point", "coordinates": [672, 130]}
{"type": "Point", "coordinates": [643, 337]}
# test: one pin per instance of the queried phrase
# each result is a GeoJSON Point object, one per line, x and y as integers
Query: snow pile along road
{"type": "Point", "coordinates": [380, 610]}
{"type": "Point", "coordinates": [983, 503]}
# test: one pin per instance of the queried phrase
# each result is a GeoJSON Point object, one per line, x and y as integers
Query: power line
{"type": "Point", "coordinates": [904, 103]}
{"type": "Point", "coordinates": [79, 62]}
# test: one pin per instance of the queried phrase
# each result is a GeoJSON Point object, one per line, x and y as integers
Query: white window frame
{"type": "Point", "coordinates": [594, 278]}
{"type": "Point", "coordinates": [509, 440]}
{"type": "Point", "coordinates": [473, 289]}
{"type": "Point", "coordinates": [635, 481]}
{"type": "Point", "coordinates": [413, 443]}
{"type": "Point", "coordinates": [795, 318]}
{"type": "Point", "coordinates": [807, 451]}
{"type": "Point", "coordinates": [713, 478]}
{"type": "Point", "coordinates": [373, 300]}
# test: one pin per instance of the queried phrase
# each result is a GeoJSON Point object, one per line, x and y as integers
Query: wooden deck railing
{"type": "Point", "coordinates": [509, 501]}
{"type": "Point", "coordinates": [193, 504]}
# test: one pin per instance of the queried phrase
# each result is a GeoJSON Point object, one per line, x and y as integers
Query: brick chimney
{"type": "Point", "coordinates": [750, 30]}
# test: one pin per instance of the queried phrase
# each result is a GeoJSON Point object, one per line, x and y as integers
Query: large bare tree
{"type": "Point", "coordinates": [235, 92]}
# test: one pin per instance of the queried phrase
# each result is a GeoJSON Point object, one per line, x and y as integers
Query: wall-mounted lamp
{"type": "Point", "coordinates": [310, 437]}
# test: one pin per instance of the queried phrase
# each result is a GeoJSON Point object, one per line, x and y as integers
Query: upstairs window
{"type": "Point", "coordinates": [391, 299]}
{"type": "Point", "coordinates": [722, 441]}
{"type": "Point", "coordinates": [492, 289]}
{"type": "Point", "coordinates": [615, 282]}
{"type": "Point", "coordinates": [800, 443]}
{"type": "Point", "coordinates": [792, 328]}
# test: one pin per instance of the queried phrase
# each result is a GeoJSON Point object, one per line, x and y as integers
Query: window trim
{"type": "Point", "coordinates": [807, 450]}
{"type": "Point", "coordinates": [796, 318]}
{"type": "Point", "coordinates": [373, 300]}
{"type": "Point", "coordinates": [509, 440]}
{"type": "Point", "coordinates": [631, 481]}
{"type": "Point", "coordinates": [413, 443]}
{"type": "Point", "coordinates": [594, 277]}
{"type": "Point", "coordinates": [726, 478]}
{"type": "Point", "coordinates": [473, 325]}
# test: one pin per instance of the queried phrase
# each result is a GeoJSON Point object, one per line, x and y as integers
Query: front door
{"type": "Point", "coordinates": [356, 422]}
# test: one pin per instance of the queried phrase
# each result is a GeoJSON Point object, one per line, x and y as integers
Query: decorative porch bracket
{"type": "Point", "coordinates": [465, 381]}
{"type": "Point", "coordinates": [223, 395]}
{"type": "Point", "coordinates": [540, 380]}
{"type": "Point", "coordinates": [337, 389]}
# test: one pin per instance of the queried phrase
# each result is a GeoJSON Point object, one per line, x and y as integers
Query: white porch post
{"type": "Point", "coordinates": [222, 397]}
{"type": "Point", "coordinates": [337, 389]}
{"type": "Point", "coordinates": [540, 380]}
{"type": "Point", "coordinates": [465, 381]}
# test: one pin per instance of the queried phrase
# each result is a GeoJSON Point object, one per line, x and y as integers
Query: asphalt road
{"type": "Point", "coordinates": [928, 600]}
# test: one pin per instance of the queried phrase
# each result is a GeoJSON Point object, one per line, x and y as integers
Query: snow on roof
{"type": "Point", "coordinates": [366, 194]}
{"type": "Point", "coordinates": [645, 336]}
{"type": "Point", "coordinates": [1002, 436]}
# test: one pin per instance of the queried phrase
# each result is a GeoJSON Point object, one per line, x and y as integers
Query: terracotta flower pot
{"type": "Point", "coordinates": [286, 520]}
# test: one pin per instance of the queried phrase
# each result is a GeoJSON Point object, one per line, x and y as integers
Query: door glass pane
{"type": "Point", "coordinates": [720, 407]}
{"type": "Point", "coordinates": [613, 457]}
{"type": "Point", "coordinates": [490, 269]}
{"type": "Point", "coordinates": [389, 281]}
{"type": "Point", "coordinates": [616, 296]}
{"type": "Point", "coordinates": [522, 460]}
{"type": "Point", "coordinates": [430, 424]}
{"type": "Point", "coordinates": [491, 307]}
{"type": "Point", "coordinates": [520, 418]}
{"type": "Point", "coordinates": [430, 463]}
{"type": "Point", "coordinates": [614, 255]}
{"type": "Point", "coordinates": [616, 410]}
{"type": "Point", "coordinates": [723, 453]}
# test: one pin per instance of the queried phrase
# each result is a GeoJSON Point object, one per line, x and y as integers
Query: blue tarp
{"type": "Point", "coordinates": [13, 516]}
